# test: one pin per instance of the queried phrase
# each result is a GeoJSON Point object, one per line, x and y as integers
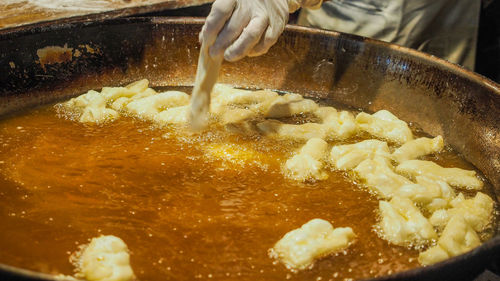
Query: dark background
{"type": "Point", "coordinates": [488, 47]}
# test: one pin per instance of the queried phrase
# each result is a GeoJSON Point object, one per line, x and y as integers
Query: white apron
{"type": "Point", "coordinates": [444, 28]}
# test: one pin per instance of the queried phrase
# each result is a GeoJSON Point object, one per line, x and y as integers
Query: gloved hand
{"type": "Point", "coordinates": [239, 28]}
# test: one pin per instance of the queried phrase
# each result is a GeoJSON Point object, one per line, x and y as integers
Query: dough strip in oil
{"type": "Point", "coordinates": [206, 75]}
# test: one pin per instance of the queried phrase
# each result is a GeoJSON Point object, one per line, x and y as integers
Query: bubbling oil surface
{"type": "Point", "coordinates": [183, 214]}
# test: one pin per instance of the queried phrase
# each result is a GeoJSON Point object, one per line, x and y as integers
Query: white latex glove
{"type": "Point", "coordinates": [243, 27]}
{"type": "Point", "coordinates": [239, 28]}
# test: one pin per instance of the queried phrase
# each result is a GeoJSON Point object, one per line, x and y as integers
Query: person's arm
{"type": "Point", "coordinates": [239, 28]}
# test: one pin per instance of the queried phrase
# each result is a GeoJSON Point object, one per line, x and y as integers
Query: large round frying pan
{"type": "Point", "coordinates": [49, 63]}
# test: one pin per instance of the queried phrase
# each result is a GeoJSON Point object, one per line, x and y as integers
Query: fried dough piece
{"type": "Point", "coordinates": [403, 224]}
{"type": "Point", "coordinates": [274, 128]}
{"type": "Point", "coordinates": [290, 105]}
{"type": "Point", "coordinates": [419, 147]}
{"type": "Point", "coordinates": [176, 115]}
{"type": "Point", "coordinates": [458, 237]}
{"type": "Point", "coordinates": [431, 194]}
{"type": "Point", "coordinates": [98, 115]}
{"type": "Point", "coordinates": [378, 175]}
{"type": "Point", "coordinates": [308, 163]}
{"type": "Point", "coordinates": [338, 125]}
{"type": "Point", "coordinates": [105, 258]}
{"type": "Point", "coordinates": [299, 248]}
{"type": "Point", "coordinates": [347, 157]}
{"type": "Point", "coordinates": [226, 97]}
{"type": "Point", "coordinates": [477, 211]}
{"type": "Point", "coordinates": [120, 103]}
{"type": "Point", "coordinates": [385, 125]}
{"type": "Point", "coordinates": [335, 125]}
{"type": "Point", "coordinates": [453, 176]}
{"type": "Point", "coordinates": [91, 108]}
{"type": "Point", "coordinates": [148, 107]}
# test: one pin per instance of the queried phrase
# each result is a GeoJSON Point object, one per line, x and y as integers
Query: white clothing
{"type": "Point", "coordinates": [444, 28]}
